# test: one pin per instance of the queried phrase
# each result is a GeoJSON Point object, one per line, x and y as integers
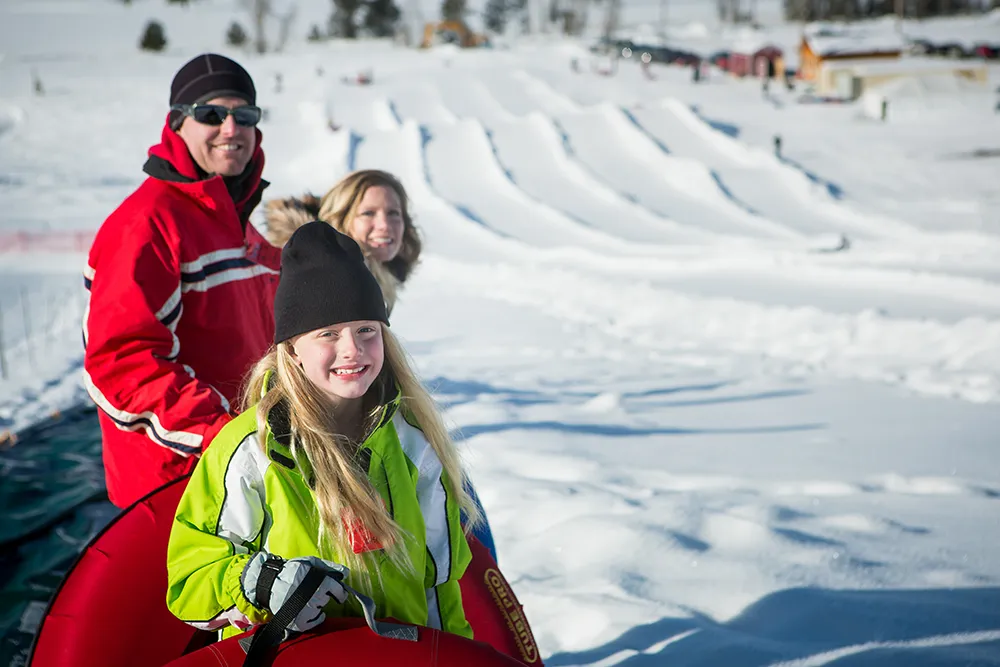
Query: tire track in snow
{"type": "Point", "coordinates": [525, 93]}
{"type": "Point", "coordinates": [384, 114]}
{"type": "Point", "coordinates": [476, 190]}
{"type": "Point", "coordinates": [739, 217]}
{"type": "Point", "coordinates": [549, 100]}
{"type": "Point", "coordinates": [536, 158]}
{"type": "Point", "coordinates": [679, 188]}
{"type": "Point", "coordinates": [464, 167]}
{"type": "Point", "coordinates": [356, 108]}
{"type": "Point", "coordinates": [461, 160]}
{"type": "Point", "coordinates": [594, 174]}
{"type": "Point", "coordinates": [509, 92]}
{"type": "Point", "coordinates": [743, 173]}
{"type": "Point", "coordinates": [422, 103]}
{"type": "Point", "coordinates": [813, 190]}
{"type": "Point", "coordinates": [467, 97]}
{"type": "Point", "coordinates": [468, 204]}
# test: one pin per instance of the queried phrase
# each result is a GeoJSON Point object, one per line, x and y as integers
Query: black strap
{"type": "Point", "coordinates": [271, 633]}
{"type": "Point", "coordinates": [265, 580]}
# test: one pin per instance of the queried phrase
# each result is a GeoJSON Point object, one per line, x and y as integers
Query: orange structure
{"type": "Point", "coordinates": [822, 44]}
{"type": "Point", "coordinates": [450, 32]}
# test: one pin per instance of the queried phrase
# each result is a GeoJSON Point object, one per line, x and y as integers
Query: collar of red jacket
{"type": "Point", "coordinates": [174, 151]}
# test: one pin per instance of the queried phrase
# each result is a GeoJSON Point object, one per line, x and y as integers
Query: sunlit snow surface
{"type": "Point", "coordinates": [701, 437]}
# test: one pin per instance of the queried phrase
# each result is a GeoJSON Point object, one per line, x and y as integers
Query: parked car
{"type": "Point", "coordinates": [686, 58]}
{"type": "Point", "coordinates": [951, 50]}
{"type": "Point", "coordinates": [920, 47]}
{"type": "Point", "coordinates": [720, 59]}
{"type": "Point", "coordinates": [987, 51]}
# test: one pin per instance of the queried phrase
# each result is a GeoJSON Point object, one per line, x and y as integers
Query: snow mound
{"type": "Point", "coordinates": [911, 96]}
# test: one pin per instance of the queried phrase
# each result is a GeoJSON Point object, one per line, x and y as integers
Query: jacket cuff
{"type": "Point", "coordinates": [234, 588]}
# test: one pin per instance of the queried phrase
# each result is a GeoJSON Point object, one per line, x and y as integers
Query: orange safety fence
{"type": "Point", "coordinates": [49, 241]}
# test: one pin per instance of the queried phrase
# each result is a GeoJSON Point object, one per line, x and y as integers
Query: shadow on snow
{"type": "Point", "coordinates": [814, 626]}
{"type": "Point", "coordinates": [452, 393]}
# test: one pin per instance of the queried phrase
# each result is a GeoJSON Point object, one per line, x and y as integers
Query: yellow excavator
{"type": "Point", "coordinates": [450, 32]}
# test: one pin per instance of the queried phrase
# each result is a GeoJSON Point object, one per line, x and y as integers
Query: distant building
{"type": "Point", "coordinates": [756, 58]}
{"type": "Point", "coordinates": [824, 44]}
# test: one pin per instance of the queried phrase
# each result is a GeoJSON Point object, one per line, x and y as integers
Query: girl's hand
{"type": "Point", "coordinates": [268, 581]}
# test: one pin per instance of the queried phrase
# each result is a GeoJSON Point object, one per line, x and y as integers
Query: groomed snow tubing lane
{"type": "Point", "coordinates": [110, 611]}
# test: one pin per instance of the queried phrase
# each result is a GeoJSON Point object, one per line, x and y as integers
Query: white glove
{"type": "Point", "coordinates": [290, 575]}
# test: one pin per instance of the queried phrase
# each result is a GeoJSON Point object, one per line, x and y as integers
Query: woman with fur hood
{"type": "Point", "coordinates": [371, 207]}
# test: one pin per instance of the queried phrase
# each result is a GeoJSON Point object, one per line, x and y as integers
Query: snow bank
{"type": "Point", "coordinates": [911, 97]}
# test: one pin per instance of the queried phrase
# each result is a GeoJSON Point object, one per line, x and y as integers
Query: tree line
{"type": "Point", "coordinates": [821, 10]}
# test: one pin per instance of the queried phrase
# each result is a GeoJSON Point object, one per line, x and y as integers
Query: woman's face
{"type": "Point", "coordinates": [378, 224]}
{"type": "Point", "coordinates": [343, 359]}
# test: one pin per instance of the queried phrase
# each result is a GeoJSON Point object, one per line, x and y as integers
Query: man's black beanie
{"type": "Point", "coordinates": [208, 76]}
{"type": "Point", "coordinates": [324, 281]}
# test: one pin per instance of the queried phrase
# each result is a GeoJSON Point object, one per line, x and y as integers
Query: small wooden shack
{"type": "Point", "coordinates": [826, 43]}
{"type": "Point", "coordinates": [756, 59]}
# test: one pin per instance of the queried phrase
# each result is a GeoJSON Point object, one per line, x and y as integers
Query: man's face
{"type": "Point", "coordinates": [220, 149]}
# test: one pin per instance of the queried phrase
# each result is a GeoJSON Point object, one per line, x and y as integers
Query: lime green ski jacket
{"type": "Point", "coordinates": [243, 498]}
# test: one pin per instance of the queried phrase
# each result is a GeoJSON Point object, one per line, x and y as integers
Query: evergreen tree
{"type": "Point", "coordinates": [519, 8]}
{"type": "Point", "coordinates": [153, 37]}
{"type": "Point", "coordinates": [381, 18]}
{"type": "Point", "coordinates": [343, 20]}
{"type": "Point", "coordinates": [453, 10]}
{"type": "Point", "coordinates": [236, 35]}
{"type": "Point", "coordinates": [495, 15]}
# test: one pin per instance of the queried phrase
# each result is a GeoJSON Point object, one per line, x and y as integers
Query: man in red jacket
{"type": "Point", "coordinates": [181, 285]}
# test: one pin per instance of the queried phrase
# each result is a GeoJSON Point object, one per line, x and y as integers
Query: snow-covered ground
{"type": "Point", "coordinates": [702, 437]}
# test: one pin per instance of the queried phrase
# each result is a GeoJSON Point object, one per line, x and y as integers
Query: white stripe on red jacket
{"type": "Point", "coordinates": [181, 307]}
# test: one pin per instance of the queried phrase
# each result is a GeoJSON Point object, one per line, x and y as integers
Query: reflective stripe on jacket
{"type": "Point", "coordinates": [180, 307]}
{"type": "Point", "coordinates": [243, 498]}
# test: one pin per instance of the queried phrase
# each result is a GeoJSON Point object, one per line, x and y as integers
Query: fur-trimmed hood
{"type": "Point", "coordinates": [284, 216]}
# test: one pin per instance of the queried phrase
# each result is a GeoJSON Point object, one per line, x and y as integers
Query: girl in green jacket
{"type": "Point", "coordinates": [341, 462]}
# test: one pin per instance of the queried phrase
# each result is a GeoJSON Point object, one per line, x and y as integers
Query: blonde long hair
{"type": "Point", "coordinates": [342, 488]}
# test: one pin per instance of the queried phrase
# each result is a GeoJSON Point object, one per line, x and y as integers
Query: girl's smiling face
{"type": "Point", "coordinates": [343, 360]}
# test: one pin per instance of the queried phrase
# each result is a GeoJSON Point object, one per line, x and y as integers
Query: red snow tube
{"type": "Point", "coordinates": [113, 601]}
{"type": "Point", "coordinates": [493, 611]}
{"type": "Point", "coordinates": [110, 611]}
{"type": "Point", "coordinates": [348, 641]}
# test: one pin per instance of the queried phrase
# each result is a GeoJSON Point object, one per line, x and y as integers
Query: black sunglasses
{"type": "Point", "coordinates": [215, 114]}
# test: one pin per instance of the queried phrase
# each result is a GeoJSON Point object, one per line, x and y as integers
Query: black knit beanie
{"type": "Point", "coordinates": [206, 77]}
{"type": "Point", "coordinates": [324, 281]}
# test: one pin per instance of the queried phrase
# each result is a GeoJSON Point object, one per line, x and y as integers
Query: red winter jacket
{"type": "Point", "coordinates": [181, 306]}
